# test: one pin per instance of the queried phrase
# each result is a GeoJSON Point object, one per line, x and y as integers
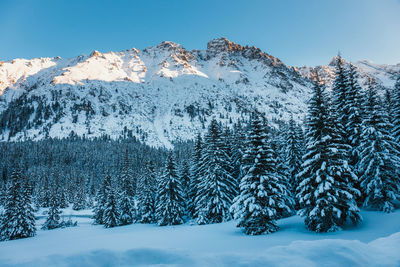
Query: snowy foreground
{"type": "Point", "coordinates": [376, 242]}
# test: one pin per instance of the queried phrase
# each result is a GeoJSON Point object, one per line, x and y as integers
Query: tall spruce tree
{"type": "Point", "coordinates": [293, 154]}
{"type": "Point", "coordinates": [325, 192]}
{"type": "Point", "coordinates": [147, 195]}
{"type": "Point", "coordinates": [111, 213]}
{"type": "Point", "coordinates": [380, 163]}
{"type": "Point", "coordinates": [53, 216]}
{"type": "Point", "coordinates": [263, 192]}
{"type": "Point", "coordinates": [355, 112]}
{"type": "Point", "coordinates": [217, 188]}
{"type": "Point", "coordinates": [101, 199]}
{"type": "Point", "coordinates": [170, 204]}
{"type": "Point", "coordinates": [196, 175]}
{"type": "Point", "coordinates": [127, 202]}
{"type": "Point", "coordinates": [18, 220]}
{"type": "Point", "coordinates": [396, 110]}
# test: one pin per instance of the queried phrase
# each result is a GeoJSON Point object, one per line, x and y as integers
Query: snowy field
{"type": "Point", "coordinates": [376, 242]}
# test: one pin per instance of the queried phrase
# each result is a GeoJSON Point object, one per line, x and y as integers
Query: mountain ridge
{"type": "Point", "coordinates": [159, 94]}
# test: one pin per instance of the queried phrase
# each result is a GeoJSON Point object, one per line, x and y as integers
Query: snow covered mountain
{"type": "Point", "coordinates": [159, 94]}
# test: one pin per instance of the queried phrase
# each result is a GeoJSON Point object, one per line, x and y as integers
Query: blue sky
{"type": "Point", "coordinates": [299, 32]}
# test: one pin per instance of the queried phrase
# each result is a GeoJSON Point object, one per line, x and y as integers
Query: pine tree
{"type": "Point", "coordinates": [53, 217]}
{"type": "Point", "coordinates": [126, 203]}
{"type": "Point", "coordinates": [293, 154]}
{"type": "Point", "coordinates": [101, 199]}
{"type": "Point", "coordinates": [184, 177]}
{"type": "Point", "coordinates": [18, 220]}
{"type": "Point", "coordinates": [111, 213]}
{"type": "Point", "coordinates": [170, 202]}
{"type": "Point", "coordinates": [325, 192]}
{"type": "Point", "coordinates": [354, 108]}
{"type": "Point", "coordinates": [80, 195]}
{"type": "Point", "coordinates": [216, 190]}
{"type": "Point", "coordinates": [147, 195]}
{"type": "Point", "coordinates": [340, 97]}
{"type": "Point", "coordinates": [262, 190]}
{"type": "Point", "coordinates": [196, 175]}
{"type": "Point", "coordinates": [380, 162]}
{"type": "Point", "coordinates": [396, 110]}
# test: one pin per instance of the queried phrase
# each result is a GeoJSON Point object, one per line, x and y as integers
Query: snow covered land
{"type": "Point", "coordinates": [376, 242]}
{"type": "Point", "coordinates": [168, 157]}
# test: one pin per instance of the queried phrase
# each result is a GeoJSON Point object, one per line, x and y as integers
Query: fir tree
{"type": "Point", "coordinates": [147, 195]}
{"type": "Point", "coordinates": [53, 217]}
{"type": "Point", "coordinates": [396, 110]}
{"type": "Point", "coordinates": [170, 202]}
{"type": "Point", "coordinates": [262, 190]}
{"type": "Point", "coordinates": [380, 162]}
{"type": "Point", "coordinates": [293, 154]}
{"type": "Point", "coordinates": [18, 220]}
{"type": "Point", "coordinates": [184, 177]}
{"type": "Point", "coordinates": [196, 175]}
{"type": "Point", "coordinates": [101, 199]}
{"type": "Point", "coordinates": [111, 213]}
{"type": "Point", "coordinates": [80, 195]}
{"type": "Point", "coordinates": [216, 190]}
{"type": "Point", "coordinates": [354, 108]}
{"type": "Point", "coordinates": [127, 203]}
{"type": "Point", "coordinates": [325, 192]}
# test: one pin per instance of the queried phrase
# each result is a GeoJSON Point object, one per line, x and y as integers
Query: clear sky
{"type": "Point", "coordinates": [299, 32]}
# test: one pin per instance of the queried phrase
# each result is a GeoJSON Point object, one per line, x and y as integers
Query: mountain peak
{"type": "Point", "coordinates": [222, 45]}
{"type": "Point", "coordinates": [168, 45]}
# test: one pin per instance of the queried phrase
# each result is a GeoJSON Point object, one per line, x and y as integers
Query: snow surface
{"type": "Point", "coordinates": [376, 242]}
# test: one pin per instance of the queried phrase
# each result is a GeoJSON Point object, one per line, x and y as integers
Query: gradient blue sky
{"type": "Point", "coordinates": [299, 32]}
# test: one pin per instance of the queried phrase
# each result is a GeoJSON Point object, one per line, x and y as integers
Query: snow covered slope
{"type": "Point", "coordinates": [385, 75]}
{"type": "Point", "coordinates": [159, 94]}
{"type": "Point", "coordinates": [376, 242]}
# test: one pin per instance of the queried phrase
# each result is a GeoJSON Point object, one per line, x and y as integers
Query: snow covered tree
{"type": "Point", "coordinates": [380, 163]}
{"type": "Point", "coordinates": [262, 190]}
{"type": "Point", "coordinates": [53, 216]}
{"type": "Point", "coordinates": [396, 110]}
{"type": "Point", "coordinates": [339, 97]}
{"type": "Point", "coordinates": [127, 202]}
{"type": "Point", "coordinates": [195, 177]}
{"type": "Point", "coordinates": [18, 220]}
{"type": "Point", "coordinates": [184, 177]}
{"type": "Point", "coordinates": [293, 154]}
{"type": "Point", "coordinates": [147, 195]}
{"type": "Point", "coordinates": [80, 195]}
{"type": "Point", "coordinates": [111, 213]}
{"type": "Point", "coordinates": [354, 109]}
{"type": "Point", "coordinates": [101, 199]}
{"type": "Point", "coordinates": [325, 192]}
{"type": "Point", "coordinates": [216, 189]}
{"type": "Point", "coordinates": [170, 209]}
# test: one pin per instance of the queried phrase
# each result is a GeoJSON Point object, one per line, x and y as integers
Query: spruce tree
{"type": "Point", "coordinates": [380, 163]}
{"type": "Point", "coordinates": [126, 203]}
{"type": "Point", "coordinates": [170, 208]}
{"type": "Point", "coordinates": [111, 213]}
{"type": "Point", "coordinates": [101, 199]}
{"type": "Point", "coordinates": [80, 195]}
{"type": "Point", "coordinates": [217, 188]}
{"type": "Point", "coordinates": [354, 108]}
{"type": "Point", "coordinates": [263, 192]}
{"type": "Point", "coordinates": [396, 110]}
{"type": "Point", "coordinates": [325, 192]}
{"type": "Point", "coordinates": [18, 219]}
{"type": "Point", "coordinates": [147, 195]}
{"type": "Point", "coordinates": [293, 154]}
{"type": "Point", "coordinates": [53, 217]}
{"type": "Point", "coordinates": [196, 175]}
